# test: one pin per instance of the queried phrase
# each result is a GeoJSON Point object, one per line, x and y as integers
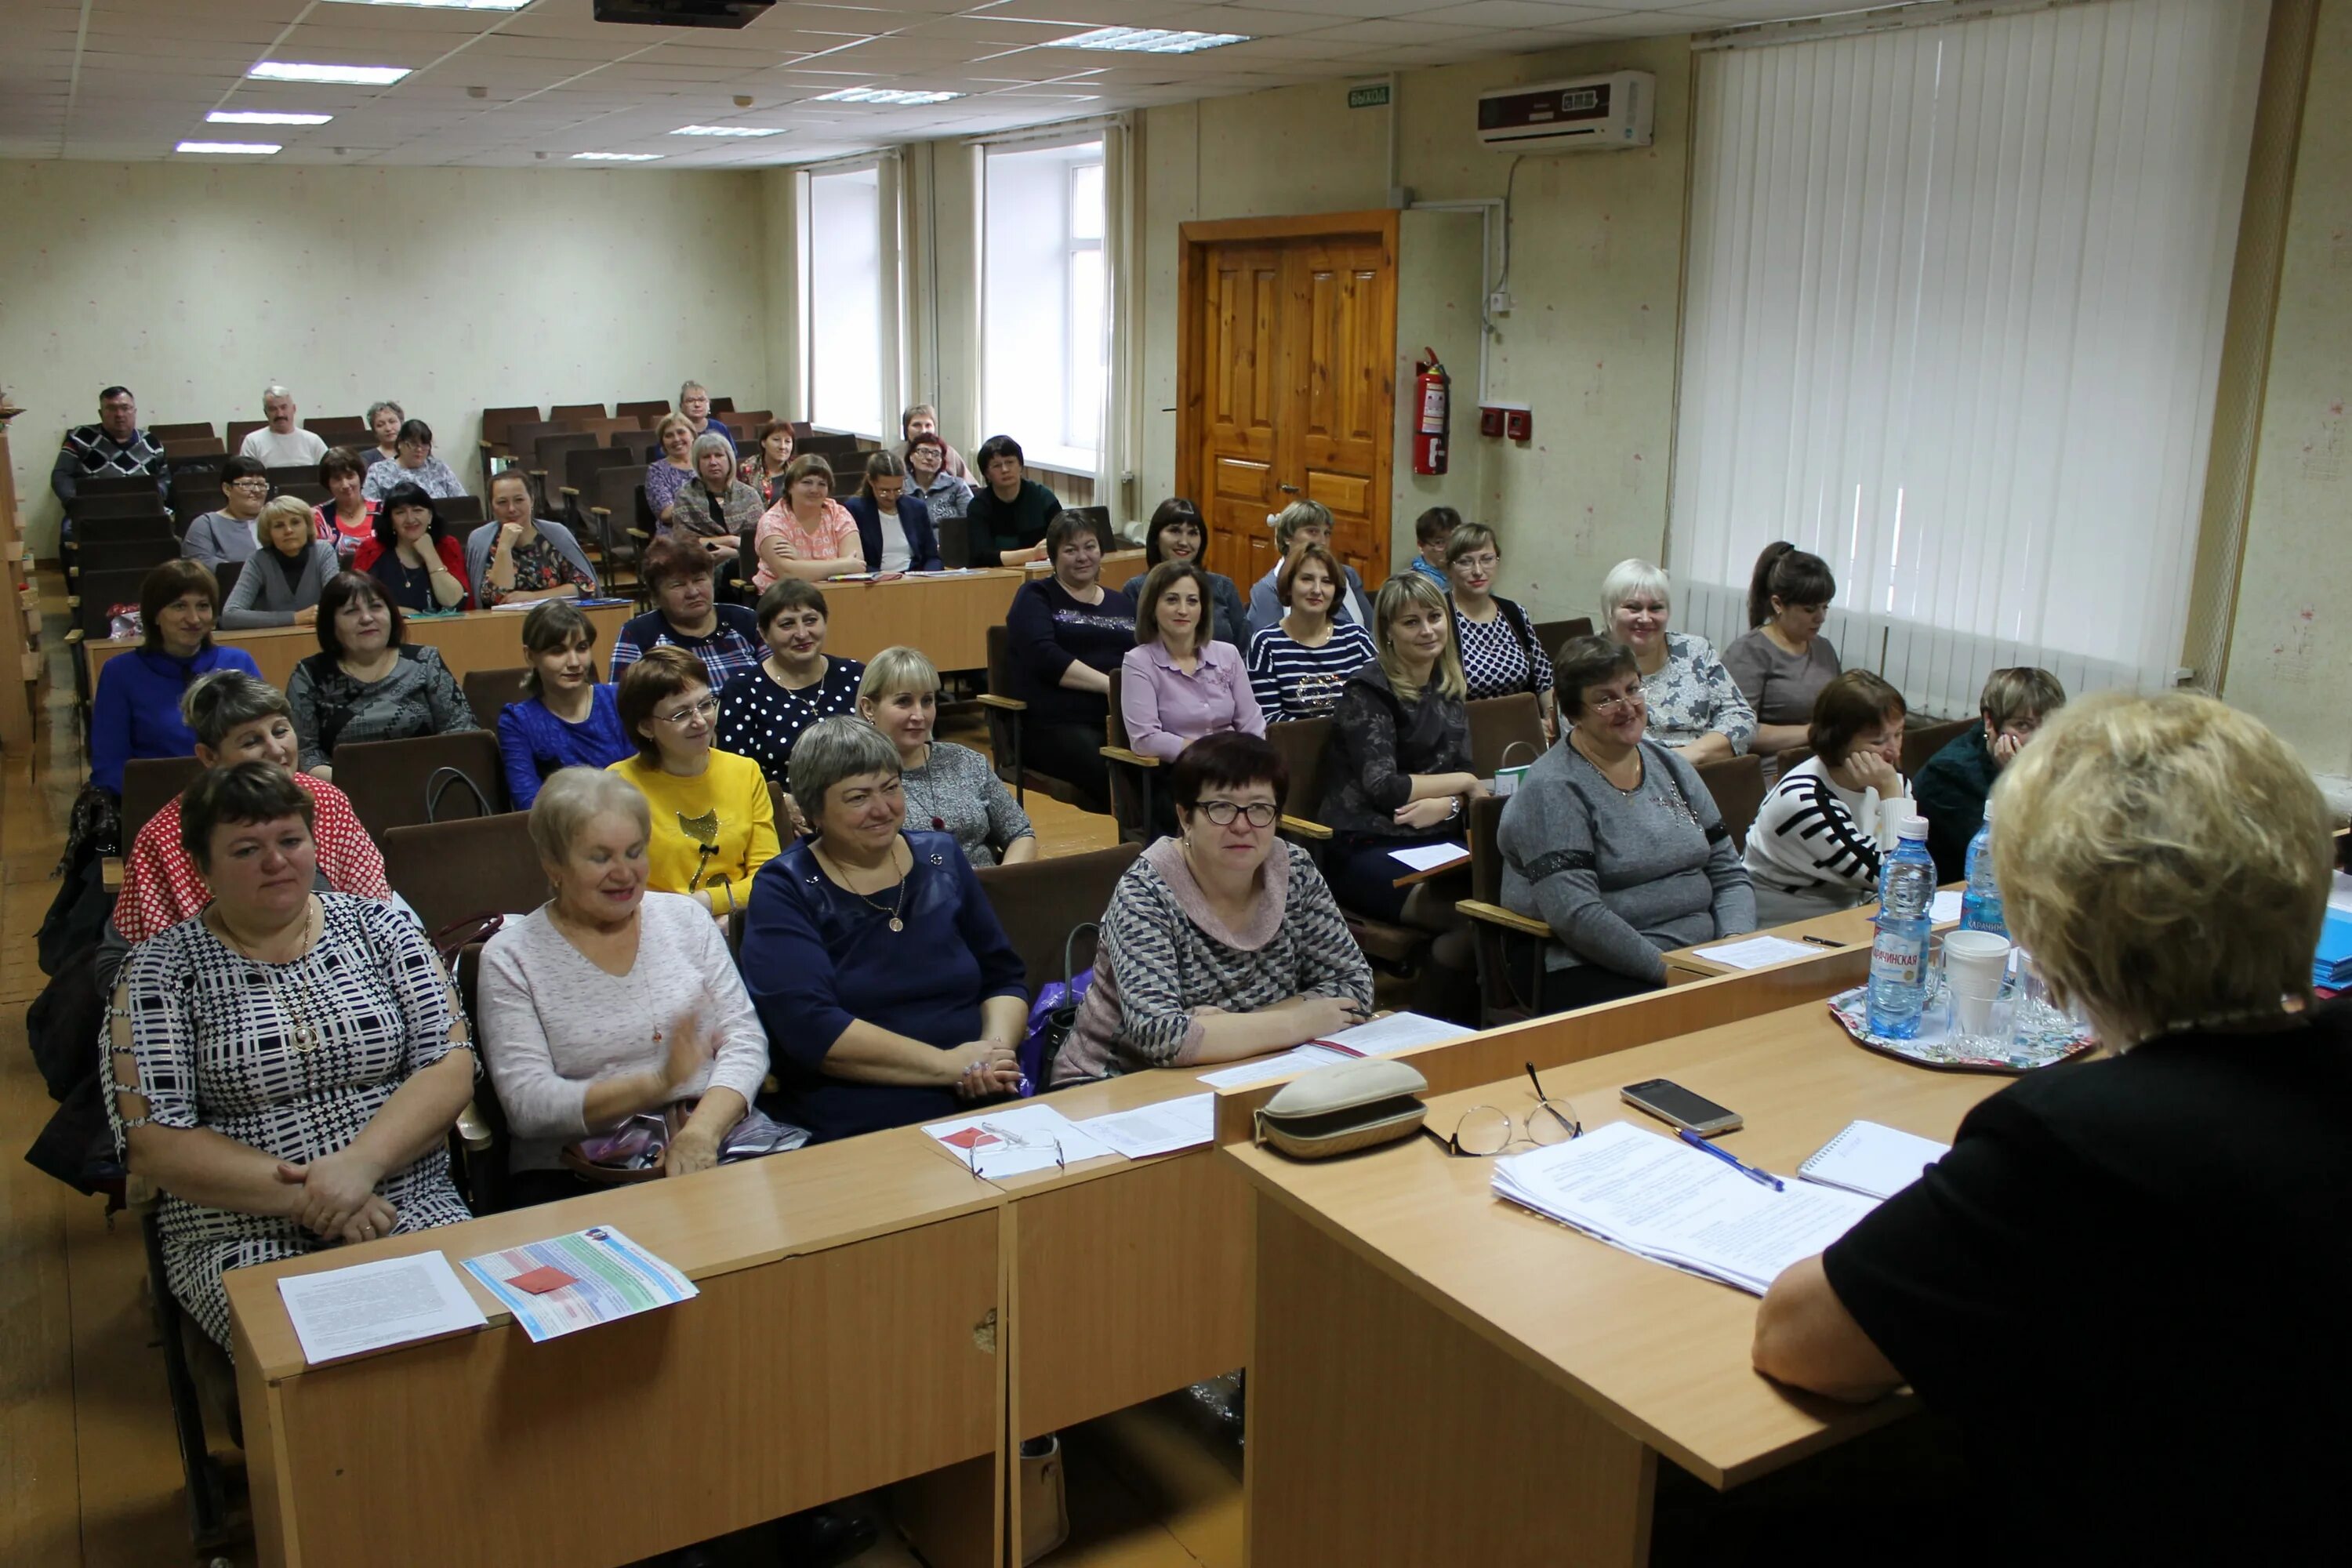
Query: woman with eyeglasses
{"type": "Point", "coordinates": [714, 823]}
{"type": "Point", "coordinates": [1500, 653]}
{"type": "Point", "coordinates": [231, 535]}
{"type": "Point", "coordinates": [1222, 942]}
{"type": "Point", "coordinates": [1611, 841]}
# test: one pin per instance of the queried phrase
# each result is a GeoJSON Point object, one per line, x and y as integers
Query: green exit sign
{"type": "Point", "coordinates": [1370, 97]}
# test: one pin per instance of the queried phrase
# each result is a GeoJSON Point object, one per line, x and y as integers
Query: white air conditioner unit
{"type": "Point", "coordinates": [1592, 111]}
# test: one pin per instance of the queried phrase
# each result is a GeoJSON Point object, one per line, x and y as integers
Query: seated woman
{"type": "Point", "coordinates": [807, 534]}
{"type": "Point", "coordinates": [568, 720]}
{"type": "Point", "coordinates": [1304, 522]}
{"type": "Point", "coordinates": [1782, 662]}
{"type": "Point", "coordinates": [608, 1000]}
{"type": "Point", "coordinates": [1500, 652]}
{"type": "Point", "coordinates": [385, 420]}
{"type": "Point", "coordinates": [281, 584]}
{"type": "Point", "coordinates": [948, 788]}
{"type": "Point", "coordinates": [1008, 512]}
{"type": "Point", "coordinates": [1696, 708]}
{"type": "Point", "coordinates": [237, 718]}
{"type": "Point", "coordinates": [1814, 847]}
{"type": "Point", "coordinates": [889, 991]}
{"type": "Point", "coordinates": [231, 534]}
{"type": "Point", "coordinates": [763, 710]}
{"type": "Point", "coordinates": [1220, 943]}
{"type": "Point", "coordinates": [764, 467]}
{"type": "Point", "coordinates": [413, 463]}
{"type": "Point", "coordinates": [944, 494]}
{"type": "Point", "coordinates": [1298, 665]}
{"type": "Point", "coordinates": [346, 519]}
{"type": "Point", "coordinates": [135, 711]}
{"type": "Point", "coordinates": [1068, 634]}
{"type": "Point", "coordinates": [714, 823]}
{"type": "Point", "coordinates": [420, 567]}
{"type": "Point", "coordinates": [2206, 1133]}
{"type": "Point", "coordinates": [667, 474]}
{"type": "Point", "coordinates": [894, 529]}
{"type": "Point", "coordinates": [520, 559]}
{"type": "Point", "coordinates": [714, 508]}
{"type": "Point", "coordinates": [1177, 534]}
{"type": "Point", "coordinates": [367, 681]}
{"type": "Point", "coordinates": [1178, 683]}
{"type": "Point", "coordinates": [687, 615]}
{"type": "Point", "coordinates": [1396, 771]}
{"type": "Point", "coordinates": [1953, 787]}
{"type": "Point", "coordinates": [1611, 840]}
{"type": "Point", "coordinates": [285, 1068]}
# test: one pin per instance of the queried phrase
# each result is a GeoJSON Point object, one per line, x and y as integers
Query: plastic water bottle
{"type": "Point", "coordinates": [1980, 904]}
{"type": "Point", "coordinates": [1898, 954]}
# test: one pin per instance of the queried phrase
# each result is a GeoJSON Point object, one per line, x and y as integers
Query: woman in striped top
{"type": "Point", "coordinates": [1814, 847]}
{"type": "Point", "coordinates": [1298, 666]}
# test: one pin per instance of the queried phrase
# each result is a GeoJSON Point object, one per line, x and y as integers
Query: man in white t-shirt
{"type": "Point", "coordinates": [281, 443]}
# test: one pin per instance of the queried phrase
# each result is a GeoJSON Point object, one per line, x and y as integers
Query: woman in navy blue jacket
{"type": "Point", "coordinates": [894, 527]}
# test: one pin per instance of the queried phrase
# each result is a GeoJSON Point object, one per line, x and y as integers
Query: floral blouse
{"type": "Point", "coordinates": [1693, 694]}
{"type": "Point", "coordinates": [538, 566]}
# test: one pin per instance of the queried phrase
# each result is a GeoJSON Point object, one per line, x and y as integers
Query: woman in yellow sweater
{"type": "Point", "coordinates": [714, 824]}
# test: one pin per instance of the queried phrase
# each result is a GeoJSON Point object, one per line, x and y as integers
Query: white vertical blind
{"type": "Point", "coordinates": [848, 347]}
{"type": "Point", "coordinates": [1953, 323]}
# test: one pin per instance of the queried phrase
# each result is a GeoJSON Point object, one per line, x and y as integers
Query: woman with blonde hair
{"type": "Point", "coordinates": [281, 584]}
{"type": "Point", "coordinates": [1396, 768]}
{"type": "Point", "coordinates": [948, 788]}
{"type": "Point", "coordinates": [1695, 706]}
{"type": "Point", "coordinates": [669, 473]}
{"type": "Point", "coordinates": [2166, 861]}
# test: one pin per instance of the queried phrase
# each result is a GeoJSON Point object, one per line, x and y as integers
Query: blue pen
{"type": "Point", "coordinates": [1751, 1171]}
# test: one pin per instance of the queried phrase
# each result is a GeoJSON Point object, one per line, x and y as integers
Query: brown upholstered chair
{"type": "Point", "coordinates": [147, 784]}
{"type": "Point", "coordinates": [488, 690]}
{"type": "Point", "coordinates": [1737, 785]}
{"type": "Point", "coordinates": [473, 866]}
{"type": "Point", "coordinates": [1498, 724]}
{"type": "Point", "coordinates": [573, 413]}
{"type": "Point", "coordinates": [397, 783]}
{"type": "Point", "coordinates": [1923, 743]}
{"type": "Point", "coordinates": [1041, 903]}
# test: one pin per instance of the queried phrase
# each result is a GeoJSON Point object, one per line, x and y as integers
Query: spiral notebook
{"type": "Point", "coordinates": [1874, 1161]}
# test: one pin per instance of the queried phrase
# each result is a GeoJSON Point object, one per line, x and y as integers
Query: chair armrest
{"type": "Point", "coordinates": [1010, 704]}
{"type": "Point", "coordinates": [488, 446]}
{"type": "Point", "coordinates": [1132, 759]}
{"type": "Point", "coordinates": [110, 873]}
{"type": "Point", "coordinates": [599, 511]}
{"type": "Point", "coordinates": [1300, 828]}
{"type": "Point", "coordinates": [73, 601]}
{"type": "Point", "coordinates": [472, 1130]}
{"type": "Point", "coordinates": [74, 636]}
{"type": "Point", "coordinates": [1509, 919]}
{"type": "Point", "coordinates": [641, 536]}
{"type": "Point", "coordinates": [567, 490]}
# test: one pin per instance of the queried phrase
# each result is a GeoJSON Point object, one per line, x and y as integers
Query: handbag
{"type": "Point", "coordinates": [636, 1149]}
{"type": "Point", "coordinates": [459, 934]}
{"type": "Point", "coordinates": [1340, 1108]}
{"type": "Point", "coordinates": [1054, 1013]}
{"type": "Point", "coordinates": [438, 784]}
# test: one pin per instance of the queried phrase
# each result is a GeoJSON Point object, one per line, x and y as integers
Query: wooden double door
{"type": "Point", "coordinates": [1286, 382]}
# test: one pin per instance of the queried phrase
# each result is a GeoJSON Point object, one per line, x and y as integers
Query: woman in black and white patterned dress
{"type": "Point", "coordinates": [1500, 651]}
{"type": "Point", "coordinates": [763, 710]}
{"type": "Point", "coordinates": [286, 1064]}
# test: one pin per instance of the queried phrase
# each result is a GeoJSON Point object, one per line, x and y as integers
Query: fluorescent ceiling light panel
{"type": "Point", "coordinates": [728, 131]}
{"type": "Point", "coordinates": [1148, 41]}
{"type": "Point", "coordinates": [258, 148]}
{"type": "Point", "coordinates": [617, 157]}
{"type": "Point", "coordinates": [351, 75]}
{"type": "Point", "coordinates": [899, 97]}
{"type": "Point", "coordinates": [263, 117]}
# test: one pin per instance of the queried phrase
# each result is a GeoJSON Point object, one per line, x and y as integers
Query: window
{"type": "Point", "coordinates": [845, 303]}
{"type": "Point", "coordinates": [1953, 322]}
{"type": "Point", "coordinates": [1047, 347]}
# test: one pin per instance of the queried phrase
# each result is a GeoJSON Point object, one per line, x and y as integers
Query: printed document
{"type": "Point", "coordinates": [347, 1311]}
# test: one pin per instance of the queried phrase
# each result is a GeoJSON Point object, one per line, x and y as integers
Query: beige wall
{"type": "Point", "coordinates": [2291, 645]}
{"type": "Point", "coordinates": [445, 290]}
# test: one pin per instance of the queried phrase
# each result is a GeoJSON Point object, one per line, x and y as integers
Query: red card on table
{"type": "Point", "coordinates": [969, 1138]}
{"type": "Point", "coordinates": [542, 1279]}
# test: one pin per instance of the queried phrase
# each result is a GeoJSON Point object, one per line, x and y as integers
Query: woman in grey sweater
{"type": "Point", "coordinates": [281, 584]}
{"type": "Point", "coordinates": [1612, 841]}
{"type": "Point", "coordinates": [1222, 943]}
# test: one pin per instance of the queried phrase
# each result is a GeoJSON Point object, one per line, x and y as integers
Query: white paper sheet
{"type": "Point", "coordinates": [1944, 909]}
{"type": "Point", "coordinates": [1397, 1032]}
{"type": "Point", "coordinates": [1161, 1129]}
{"type": "Point", "coordinates": [346, 1311]}
{"type": "Point", "coordinates": [2339, 894]}
{"type": "Point", "coordinates": [1756, 952]}
{"type": "Point", "coordinates": [1265, 1068]}
{"type": "Point", "coordinates": [1019, 1138]}
{"type": "Point", "coordinates": [1429, 857]}
{"type": "Point", "coordinates": [1872, 1158]}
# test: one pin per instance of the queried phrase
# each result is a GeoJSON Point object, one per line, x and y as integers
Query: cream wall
{"type": "Point", "coordinates": [2291, 643]}
{"type": "Point", "coordinates": [445, 290]}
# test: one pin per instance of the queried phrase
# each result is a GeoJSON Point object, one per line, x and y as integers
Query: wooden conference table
{"type": "Point", "coordinates": [476, 639]}
{"type": "Point", "coordinates": [1440, 1376]}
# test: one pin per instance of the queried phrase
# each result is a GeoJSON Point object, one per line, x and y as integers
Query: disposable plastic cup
{"type": "Point", "coordinates": [1976, 968]}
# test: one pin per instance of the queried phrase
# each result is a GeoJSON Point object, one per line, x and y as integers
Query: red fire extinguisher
{"type": "Point", "coordinates": [1429, 434]}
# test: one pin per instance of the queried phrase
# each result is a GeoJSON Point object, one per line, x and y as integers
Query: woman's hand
{"type": "Point", "coordinates": [510, 535]}
{"type": "Point", "coordinates": [799, 822]}
{"type": "Point", "coordinates": [375, 1220]}
{"type": "Point", "coordinates": [2005, 745]}
{"type": "Point", "coordinates": [335, 1187]}
{"type": "Point", "coordinates": [984, 1069]}
{"type": "Point", "coordinates": [1324, 1015]}
{"type": "Point", "coordinates": [690, 1151]}
{"type": "Point", "coordinates": [690, 1050]}
{"type": "Point", "coordinates": [1427, 814]}
{"type": "Point", "coordinates": [307, 618]}
{"type": "Point", "coordinates": [1874, 772]}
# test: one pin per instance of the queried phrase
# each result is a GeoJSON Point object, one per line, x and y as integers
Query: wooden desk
{"type": "Point", "coordinates": [947, 618]}
{"type": "Point", "coordinates": [479, 639]}
{"type": "Point", "coordinates": [1845, 927]}
{"type": "Point", "coordinates": [844, 1339]}
{"type": "Point", "coordinates": [1439, 1376]}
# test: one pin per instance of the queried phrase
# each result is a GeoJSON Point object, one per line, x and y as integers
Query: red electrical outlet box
{"type": "Point", "coordinates": [1490, 421]}
{"type": "Point", "coordinates": [1519, 424]}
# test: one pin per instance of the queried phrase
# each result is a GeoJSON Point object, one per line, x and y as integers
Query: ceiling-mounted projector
{"type": "Point", "coordinates": [682, 13]}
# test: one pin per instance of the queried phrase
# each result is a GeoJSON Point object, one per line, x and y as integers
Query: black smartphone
{"type": "Point", "coordinates": [1671, 1103]}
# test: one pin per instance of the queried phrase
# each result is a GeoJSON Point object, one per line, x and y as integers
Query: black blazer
{"type": "Point", "coordinates": [914, 521]}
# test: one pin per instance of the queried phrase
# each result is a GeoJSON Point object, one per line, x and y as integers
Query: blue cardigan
{"type": "Point", "coordinates": [535, 743]}
{"type": "Point", "coordinates": [136, 710]}
{"type": "Point", "coordinates": [817, 958]}
{"type": "Point", "coordinates": [914, 521]}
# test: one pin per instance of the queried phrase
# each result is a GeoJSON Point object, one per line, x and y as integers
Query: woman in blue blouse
{"type": "Point", "coordinates": [569, 720]}
{"type": "Point", "coordinates": [135, 711]}
{"type": "Point", "coordinates": [890, 992]}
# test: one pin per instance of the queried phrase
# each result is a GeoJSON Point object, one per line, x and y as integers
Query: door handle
{"type": "Point", "coordinates": [1287, 490]}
